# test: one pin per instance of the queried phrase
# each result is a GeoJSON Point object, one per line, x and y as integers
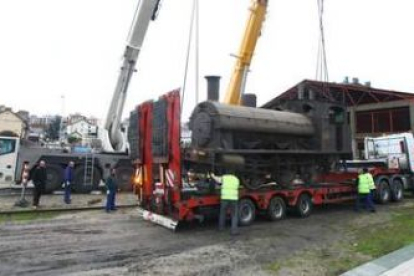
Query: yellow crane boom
{"type": "Point", "coordinates": [244, 58]}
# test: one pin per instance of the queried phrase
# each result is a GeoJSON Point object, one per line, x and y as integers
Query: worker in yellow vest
{"type": "Point", "coordinates": [365, 187]}
{"type": "Point", "coordinates": [229, 198]}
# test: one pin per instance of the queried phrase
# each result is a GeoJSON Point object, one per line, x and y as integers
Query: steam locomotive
{"type": "Point", "coordinates": [296, 139]}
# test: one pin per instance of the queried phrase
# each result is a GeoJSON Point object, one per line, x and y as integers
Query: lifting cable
{"type": "Point", "coordinates": [190, 36]}
{"type": "Point", "coordinates": [322, 65]}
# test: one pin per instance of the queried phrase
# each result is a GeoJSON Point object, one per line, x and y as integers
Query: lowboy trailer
{"type": "Point", "coordinates": [167, 199]}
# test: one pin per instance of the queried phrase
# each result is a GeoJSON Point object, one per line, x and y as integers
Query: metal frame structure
{"type": "Point", "coordinates": [343, 93]}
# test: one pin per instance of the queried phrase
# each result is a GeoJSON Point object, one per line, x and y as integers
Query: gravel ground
{"type": "Point", "coordinates": [7, 202]}
{"type": "Point", "coordinates": [96, 243]}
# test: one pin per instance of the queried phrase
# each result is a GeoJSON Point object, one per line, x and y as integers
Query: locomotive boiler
{"type": "Point", "coordinates": [298, 138]}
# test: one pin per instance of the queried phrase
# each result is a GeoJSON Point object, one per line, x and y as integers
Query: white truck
{"type": "Point", "coordinates": [90, 169]}
{"type": "Point", "coordinates": [390, 159]}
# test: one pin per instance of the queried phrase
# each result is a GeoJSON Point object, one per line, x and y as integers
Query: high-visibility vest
{"type": "Point", "coordinates": [365, 183]}
{"type": "Point", "coordinates": [229, 187]}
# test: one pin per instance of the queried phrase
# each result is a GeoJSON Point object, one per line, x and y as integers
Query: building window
{"type": "Point", "coordinates": [401, 120]}
{"type": "Point", "coordinates": [383, 121]}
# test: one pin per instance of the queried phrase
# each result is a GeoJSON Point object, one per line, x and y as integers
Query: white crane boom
{"type": "Point", "coordinates": [114, 139]}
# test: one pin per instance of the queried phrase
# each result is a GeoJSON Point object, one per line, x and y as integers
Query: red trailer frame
{"type": "Point", "coordinates": [164, 197]}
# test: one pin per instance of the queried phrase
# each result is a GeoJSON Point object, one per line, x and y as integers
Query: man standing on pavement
{"type": "Point", "coordinates": [229, 199]}
{"type": "Point", "coordinates": [365, 187]}
{"type": "Point", "coordinates": [67, 181]}
{"type": "Point", "coordinates": [39, 180]}
{"type": "Point", "coordinates": [111, 188]}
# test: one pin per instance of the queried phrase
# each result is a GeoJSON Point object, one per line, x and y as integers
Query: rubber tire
{"type": "Point", "coordinates": [397, 191]}
{"type": "Point", "coordinates": [54, 176]}
{"type": "Point", "coordinates": [304, 206]}
{"type": "Point", "coordinates": [247, 212]}
{"type": "Point", "coordinates": [123, 178]}
{"type": "Point", "coordinates": [276, 202]}
{"type": "Point", "coordinates": [78, 176]}
{"type": "Point", "coordinates": [383, 193]}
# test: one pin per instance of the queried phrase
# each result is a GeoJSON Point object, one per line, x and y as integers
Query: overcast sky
{"type": "Point", "coordinates": [51, 48]}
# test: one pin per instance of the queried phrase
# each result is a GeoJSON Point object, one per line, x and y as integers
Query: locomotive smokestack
{"type": "Point", "coordinates": [213, 88]}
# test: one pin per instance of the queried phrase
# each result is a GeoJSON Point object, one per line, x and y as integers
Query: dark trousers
{"type": "Point", "coordinates": [224, 206]}
{"type": "Point", "coordinates": [110, 201]}
{"type": "Point", "coordinates": [37, 193]}
{"type": "Point", "coordinates": [367, 198]}
{"type": "Point", "coordinates": [67, 192]}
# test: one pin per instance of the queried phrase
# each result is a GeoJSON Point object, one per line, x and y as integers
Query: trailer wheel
{"type": "Point", "coordinates": [54, 176]}
{"type": "Point", "coordinates": [247, 212]}
{"type": "Point", "coordinates": [79, 185]}
{"type": "Point", "coordinates": [304, 205]}
{"type": "Point", "coordinates": [383, 193]}
{"type": "Point", "coordinates": [397, 191]}
{"type": "Point", "coordinates": [123, 177]}
{"type": "Point", "coordinates": [276, 209]}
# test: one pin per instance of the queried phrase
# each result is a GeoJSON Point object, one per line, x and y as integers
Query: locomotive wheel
{"type": "Point", "coordinates": [276, 209]}
{"type": "Point", "coordinates": [247, 212]}
{"type": "Point", "coordinates": [397, 191]}
{"type": "Point", "coordinates": [253, 184]}
{"type": "Point", "coordinates": [304, 206]}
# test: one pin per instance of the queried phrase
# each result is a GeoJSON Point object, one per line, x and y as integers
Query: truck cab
{"type": "Point", "coordinates": [9, 148]}
{"type": "Point", "coordinates": [396, 151]}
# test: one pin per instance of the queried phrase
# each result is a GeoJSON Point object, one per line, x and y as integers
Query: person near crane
{"type": "Point", "coordinates": [366, 185]}
{"type": "Point", "coordinates": [229, 197]}
{"type": "Point", "coordinates": [39, 180]}
{"type": "Point", "coordinates": [67, 181]}
{"type": "Point", "coordinates": [111, 189]}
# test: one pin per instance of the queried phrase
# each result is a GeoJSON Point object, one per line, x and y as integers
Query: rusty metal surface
{"type": "Point", "coordinates": [211, 115]}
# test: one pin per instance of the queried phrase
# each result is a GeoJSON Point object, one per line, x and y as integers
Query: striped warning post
{"type": "Point", "coordinates": [170, 177]}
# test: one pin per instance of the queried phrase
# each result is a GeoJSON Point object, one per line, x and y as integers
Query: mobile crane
{"type": "Point", "coordinates": [115, 140]}
{"type": "Point", "coordinates": [251, 34]}
{"type": "Point", "coordinates": [89, 169]}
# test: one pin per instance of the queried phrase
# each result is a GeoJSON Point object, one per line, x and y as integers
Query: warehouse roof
{"type": "Point", "coordinates": [348, 94]}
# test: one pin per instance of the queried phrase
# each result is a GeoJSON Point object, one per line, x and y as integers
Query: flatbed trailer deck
{"type": "Point", "coordinates": [301, 198]}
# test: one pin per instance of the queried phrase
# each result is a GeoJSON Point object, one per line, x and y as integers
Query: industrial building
{"type": "Point", "coordinates": [371, 111]}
